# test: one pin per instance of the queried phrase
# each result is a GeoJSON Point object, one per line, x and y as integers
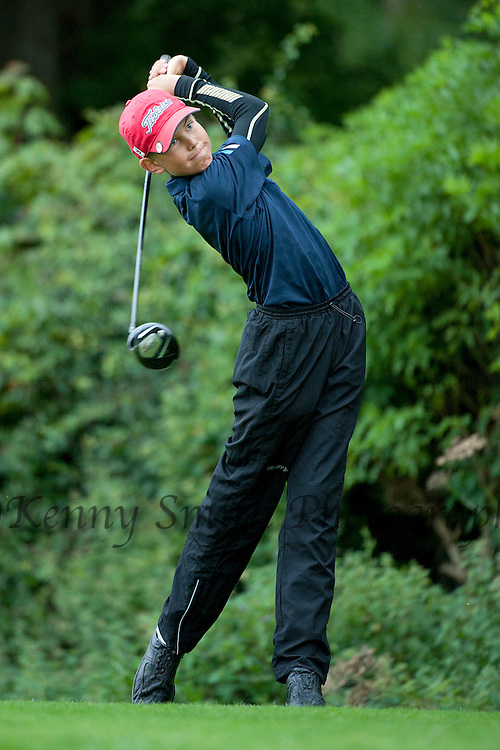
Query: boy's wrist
{"type": "Point", "coordinates": [165, 82]}
{"type": "Point", "coordinates": [192, 69]}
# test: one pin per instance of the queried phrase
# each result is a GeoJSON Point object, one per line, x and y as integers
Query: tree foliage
{"type": "Point", "coordinates": [409, 192]}
{"type": "Point", "coordinates": [95, 54]}
{"type": "Point", "coordinates": [396, 639]}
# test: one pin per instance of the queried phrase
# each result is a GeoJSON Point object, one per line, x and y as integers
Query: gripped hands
{"type": "Point", "coordinates": [175, 66]}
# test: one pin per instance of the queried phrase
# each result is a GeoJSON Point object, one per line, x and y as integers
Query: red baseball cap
{"type": "Point", "coordinates": [149, 121]}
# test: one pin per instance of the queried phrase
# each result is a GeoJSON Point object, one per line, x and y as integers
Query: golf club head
{"type": "Point", "coordinates": [154, 344]}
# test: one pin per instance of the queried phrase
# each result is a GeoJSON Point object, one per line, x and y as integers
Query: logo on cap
{"type": "Point", "coordinates": [154, 113]}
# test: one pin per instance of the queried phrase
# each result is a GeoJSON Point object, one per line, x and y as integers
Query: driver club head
{"type": "Point", "coordinates": [154, 344]}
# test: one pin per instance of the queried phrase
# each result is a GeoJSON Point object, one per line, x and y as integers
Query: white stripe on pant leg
{"type": "Point", "coordinates": [183, 616]}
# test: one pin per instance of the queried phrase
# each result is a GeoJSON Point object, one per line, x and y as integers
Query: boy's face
{"type": "Point", "coordinates": [190, 152]}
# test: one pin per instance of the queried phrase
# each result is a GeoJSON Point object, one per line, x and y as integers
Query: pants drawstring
{"type": "Point", "coordinates": [354, 318]}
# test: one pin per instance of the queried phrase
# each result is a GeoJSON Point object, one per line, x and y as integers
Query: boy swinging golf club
{"type": "Point", "coordinates": [299, 375]}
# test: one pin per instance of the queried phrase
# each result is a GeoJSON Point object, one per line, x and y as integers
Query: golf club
{"type": "Point", "coordinates": [154, 345]}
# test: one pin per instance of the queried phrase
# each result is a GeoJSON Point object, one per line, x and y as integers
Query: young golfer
{"type": "Point", "coordinates": [298, 375]}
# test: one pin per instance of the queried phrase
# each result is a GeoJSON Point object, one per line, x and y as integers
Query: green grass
{"type": "Point", "coordinates": [33, 725]}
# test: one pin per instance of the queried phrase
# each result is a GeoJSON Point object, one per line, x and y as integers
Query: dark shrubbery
{"type": "Point", "coordinates": [397, 639]}
{"type": "Point", "coordinates": [409, 194]}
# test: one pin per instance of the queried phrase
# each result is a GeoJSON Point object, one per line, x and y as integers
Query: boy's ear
{"type": "Point", "coordinates": [151, 166]}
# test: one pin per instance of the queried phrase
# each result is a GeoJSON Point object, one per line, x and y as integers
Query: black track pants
{"type": "Point", "coordinates": [299, 376]}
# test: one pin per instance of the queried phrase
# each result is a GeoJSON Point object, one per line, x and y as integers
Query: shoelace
{"type": "Point", "coordinates": [163, 659]}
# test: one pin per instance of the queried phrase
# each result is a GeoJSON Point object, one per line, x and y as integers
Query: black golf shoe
{"type": "Point", "coordinates": [303, 688]}
{"type": "Point", "coordinates": [154, 680]}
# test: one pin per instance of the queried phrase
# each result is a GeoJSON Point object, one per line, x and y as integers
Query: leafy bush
{"type": "Point", "coordinates": [75, 610]}
{"type": "Point", "coordinates": [82, 425]}
{"type": "Point", "coordinates": [397, 639]}
{"type": "Point", "coordinates": [437, 649]}
{"type": "Point", "coordinates": [409, 194]}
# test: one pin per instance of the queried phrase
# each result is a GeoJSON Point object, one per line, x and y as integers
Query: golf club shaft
{"type": "Point", "coordinates": [140, 242]}
{"type": "Point", "coordinates": [138, 259]}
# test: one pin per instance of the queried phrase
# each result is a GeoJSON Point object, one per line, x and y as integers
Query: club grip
{"type": "Point", "coordinates": [166, 58]}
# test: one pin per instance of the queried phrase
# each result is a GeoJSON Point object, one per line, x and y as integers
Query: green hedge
{"type": "Point", "coordinates": [409, 193]}
{"type": "Point", "coordinates": [396, 638]}
{"type": "Point", "coordinates": [79, 628]}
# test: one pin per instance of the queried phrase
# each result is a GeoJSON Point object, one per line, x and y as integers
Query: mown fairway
{"type": "Point", "coordinates": [107, 726]}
